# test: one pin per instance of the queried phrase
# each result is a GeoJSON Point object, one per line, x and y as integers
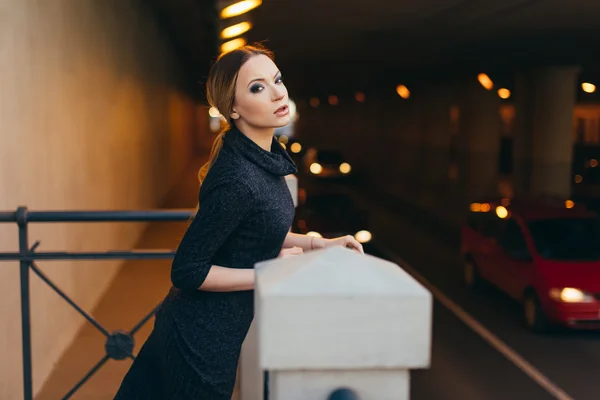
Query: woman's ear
{"type": "Point", "coordinates": [234, 114]}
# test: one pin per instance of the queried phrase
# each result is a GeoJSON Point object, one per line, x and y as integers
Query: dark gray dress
{"type": "Point", "coordinates": [245, 213]}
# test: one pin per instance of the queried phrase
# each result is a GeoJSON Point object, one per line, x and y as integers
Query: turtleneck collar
{"type": "Point", "coordinates": [277, 161]}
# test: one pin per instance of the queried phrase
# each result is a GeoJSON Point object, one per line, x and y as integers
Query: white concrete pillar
{"type": "Point", "coordinates": [436, 134]}
{"type": "Point", "coordinates": [522, 145]}
{"type": "Point", "coordinates": [411, 139]}
{"type": "Point", "coordinates": [479, 142]}
{"type": "Point", "coordinates": [292, 182]}
{"type": "Point", "coordinates": [251, 376]}
{"type": "Point", "coordinates": [543, 146]}
{"type": "Point", "coordinates": [436, 142]}
{"type": "Point", "coordinates": [552, 136]}
{"type": "Point", "coordinates": [406, 179]}
{"type": "Point", "coordinates": [334, 318]}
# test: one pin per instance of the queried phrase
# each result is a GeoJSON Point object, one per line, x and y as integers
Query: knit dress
{"type": "Point", "coordinates": [246, 211]}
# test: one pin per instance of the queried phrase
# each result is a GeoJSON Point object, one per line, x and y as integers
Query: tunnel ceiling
{"type": "Point", "coordinates": [192, 28]}
{"type": "Point", "coordinates": [323, 45]}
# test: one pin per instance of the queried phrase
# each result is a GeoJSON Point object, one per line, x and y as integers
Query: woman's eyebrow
{"type": "Point", "coordinates": [262, 79]}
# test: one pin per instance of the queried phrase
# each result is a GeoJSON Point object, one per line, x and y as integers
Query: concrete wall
{"type": "Point", "coordinates": [90, 118]}
{"type": "Point", "coordinates": [370, 134]}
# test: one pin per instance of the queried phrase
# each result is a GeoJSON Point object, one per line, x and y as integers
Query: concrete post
{"type": "Point", "coordinates": [436, 143]}
{"type": "Point", "coordinates": [552, 139]}
{"type": "Point", "coordinates": [522, 145]}
{"type": "Point", "coordinates": [543, 146]}
{"type": "Point", "coordinates": [411, 146]}
{"type": "Point", "coordinates": [292, 182]}
{"type": "Point", "coordinates": [405, 181]}
{"type": "Point", "coordinates": [479, 143]}
{"type": "Point", "coordinates": [333, 319]}
{"type": "Point", "coordinates": [251, 376]}
{"type": "Point", "coordinates": [436, 136]}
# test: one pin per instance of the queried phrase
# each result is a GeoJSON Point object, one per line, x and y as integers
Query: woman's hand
{"type": "Point", "coordinates": [347, 241]}
{"type": "Point", "coordinates": [292, 251]}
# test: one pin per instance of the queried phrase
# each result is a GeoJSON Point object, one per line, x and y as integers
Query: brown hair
{"type": "Point", "coordinates": [220, 91]}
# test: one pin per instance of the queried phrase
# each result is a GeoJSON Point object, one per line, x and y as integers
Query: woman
{"type": "Point", "coordinates": [244, 216]}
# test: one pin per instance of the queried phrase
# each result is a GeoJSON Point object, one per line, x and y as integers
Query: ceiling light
{"type": "Point", "coordinates": [239, 8]}
{"type": "Point", "coordinates": [403, 91]}
{"type": "Point", "coordinates": [588, 87]}
{"type": "Point", "coordinates": [236, 30]}
{"type": "Point", "coordinates": [485, 81]}
{"type": "Point", "coordinates": [232, 45]}
{"type": "Point", "coordinates": [504, 93]}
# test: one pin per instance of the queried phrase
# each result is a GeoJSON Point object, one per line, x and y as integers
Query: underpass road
{"type": "Point", "coordinates": [464, 365]}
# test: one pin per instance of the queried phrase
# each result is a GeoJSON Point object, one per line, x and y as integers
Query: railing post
{"type": "Point", "coordinates": [336, 320]}
{"type": "Point", "coordinates": [253, 383]}
{"type": "Point", "coordinates": [343, 394]}
{"type": "Point", "coordinates": [25, 305]}
{"type": "Point", "coordinates": [292, 182]}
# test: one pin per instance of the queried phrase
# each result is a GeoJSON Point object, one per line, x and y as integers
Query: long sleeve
{"type": "Point", "coordinates": [222, 208]}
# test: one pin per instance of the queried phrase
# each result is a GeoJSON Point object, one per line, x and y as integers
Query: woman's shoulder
{"type": "Point", "coordinates": [231, 166]}
{"type": "Point", "coordinates": [227, 183]}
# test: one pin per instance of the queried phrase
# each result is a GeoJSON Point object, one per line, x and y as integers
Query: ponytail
{"type": "Point", "coordinates": [214, 153]}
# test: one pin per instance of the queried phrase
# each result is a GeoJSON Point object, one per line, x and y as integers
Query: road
{"type": "Point", "coordinates": [464, 365]}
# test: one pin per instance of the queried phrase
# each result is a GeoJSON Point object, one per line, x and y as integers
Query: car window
{"type": "Point", "coordinates": [513, 241]}
{"type": "Point", "coordinates": [567, 238]}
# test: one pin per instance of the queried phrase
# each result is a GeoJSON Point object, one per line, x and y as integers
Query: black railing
{"type": "Point", "coordinates": [266, 386]}
{"type": "Point", "coordinates": [120, 343]}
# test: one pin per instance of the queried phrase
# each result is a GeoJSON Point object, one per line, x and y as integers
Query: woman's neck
{"type": "Point", "coordinates": [261, 136]}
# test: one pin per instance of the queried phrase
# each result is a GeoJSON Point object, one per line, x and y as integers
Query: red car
{"type": "Point", "coordinates": [542, 252]}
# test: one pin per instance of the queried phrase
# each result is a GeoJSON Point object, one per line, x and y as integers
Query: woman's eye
{"type": "Point", "coordinates": [279, 80]}
{"type": "Point", "coordinates": [256, 88]}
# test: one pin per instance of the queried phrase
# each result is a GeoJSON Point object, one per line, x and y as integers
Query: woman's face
{"type": "Point", "coordinates": [261, 98]}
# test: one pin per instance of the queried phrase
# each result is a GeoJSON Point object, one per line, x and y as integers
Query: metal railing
{"type": "Point", "coordinates": [338, 394]}
{"type": "Point", "coordinates": [120, 343]}
{"type": "Point", "coordinates": [343, 394]}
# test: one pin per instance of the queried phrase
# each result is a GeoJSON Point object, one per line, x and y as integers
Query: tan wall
{"type": "Point", "coordinates": [89, 119]}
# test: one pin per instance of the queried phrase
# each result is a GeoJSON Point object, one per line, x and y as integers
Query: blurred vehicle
{"type": "Point", "coordinates": [544, 253]}
{"type": "Point", "coordinates": [326, 164]}
{"type": "Point", "coordinates": [330, 216]}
